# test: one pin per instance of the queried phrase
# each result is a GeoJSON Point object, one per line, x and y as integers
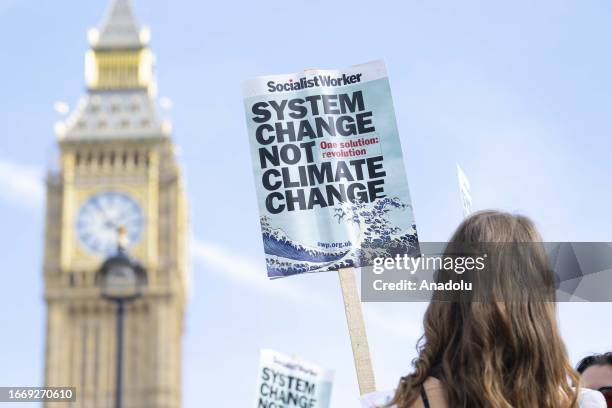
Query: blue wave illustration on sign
{"type": "Point", "coordinates": [378, 237]}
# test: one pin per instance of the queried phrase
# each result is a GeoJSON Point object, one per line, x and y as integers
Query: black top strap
{"type": "Point", "coordinates": [424, 397]}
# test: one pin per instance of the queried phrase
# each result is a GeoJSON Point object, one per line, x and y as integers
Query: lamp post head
{"type": "Point", "coordinates": [121, 277]}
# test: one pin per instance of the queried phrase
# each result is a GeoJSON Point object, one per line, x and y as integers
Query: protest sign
{"type": "Point", "coordinates": [329, 171]}
{"type": "Point", "coordinates": [285, 382]}
{"type": "Point", "coordinates": [330, 180]}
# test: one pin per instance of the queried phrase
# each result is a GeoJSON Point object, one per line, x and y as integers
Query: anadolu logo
{"type": "Point", "coordinates": [314, 82]}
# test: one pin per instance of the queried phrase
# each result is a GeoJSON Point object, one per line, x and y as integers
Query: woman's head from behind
{"type": "Point", "coordinates": [500, 346]}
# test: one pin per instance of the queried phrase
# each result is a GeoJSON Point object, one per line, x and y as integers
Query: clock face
{"type": "Point", "coordinates": [102, 215]}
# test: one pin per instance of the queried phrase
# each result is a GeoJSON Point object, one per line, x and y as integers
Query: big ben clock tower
{"type": "Point", "coordinates": [117, 171]}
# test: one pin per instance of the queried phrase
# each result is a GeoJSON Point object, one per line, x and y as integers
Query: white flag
{"type": "Point", "coordinates": [464, 188]}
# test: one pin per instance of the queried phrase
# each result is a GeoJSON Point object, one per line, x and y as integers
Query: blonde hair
{"type": "Point", "coordinates": [502, 354]}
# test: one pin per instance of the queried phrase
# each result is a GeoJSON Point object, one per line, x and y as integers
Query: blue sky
{"type": "Point", "coordinates": [517, 93]}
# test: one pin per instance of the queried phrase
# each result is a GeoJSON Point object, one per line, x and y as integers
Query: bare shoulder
{"type": "Point", "coordinates": [436, 394]}
{"type": "Point", "coordinates": [433, 384]}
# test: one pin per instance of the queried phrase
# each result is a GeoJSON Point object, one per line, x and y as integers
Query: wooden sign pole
{"type": "Point", "coordinates": [356, 326]}
{"type": "Point", "coordinates": [357, 332]}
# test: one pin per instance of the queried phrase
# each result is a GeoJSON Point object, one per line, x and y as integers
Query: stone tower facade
{"type": "Point", "coordinates": [117, 169]}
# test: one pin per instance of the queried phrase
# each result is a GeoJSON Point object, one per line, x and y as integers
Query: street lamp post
{"type": "Point", "coordinates": [121, 279]}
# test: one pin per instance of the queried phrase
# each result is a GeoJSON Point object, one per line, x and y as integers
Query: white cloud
{"type": "Point", "coordinates": [21, 185]}
{"type": "Point", "coordinates": [246, 272]}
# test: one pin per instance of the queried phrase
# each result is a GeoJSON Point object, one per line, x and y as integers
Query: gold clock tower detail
{"type": "Point", "coordinates": [117, 169]}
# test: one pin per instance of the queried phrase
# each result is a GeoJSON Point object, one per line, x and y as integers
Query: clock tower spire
{"type": "Point", "coordinates": [119, 28]}
{"type": "Point", "coordinates": [119, 57]}
{"type": "Point", "coordinates": [118, 171]}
